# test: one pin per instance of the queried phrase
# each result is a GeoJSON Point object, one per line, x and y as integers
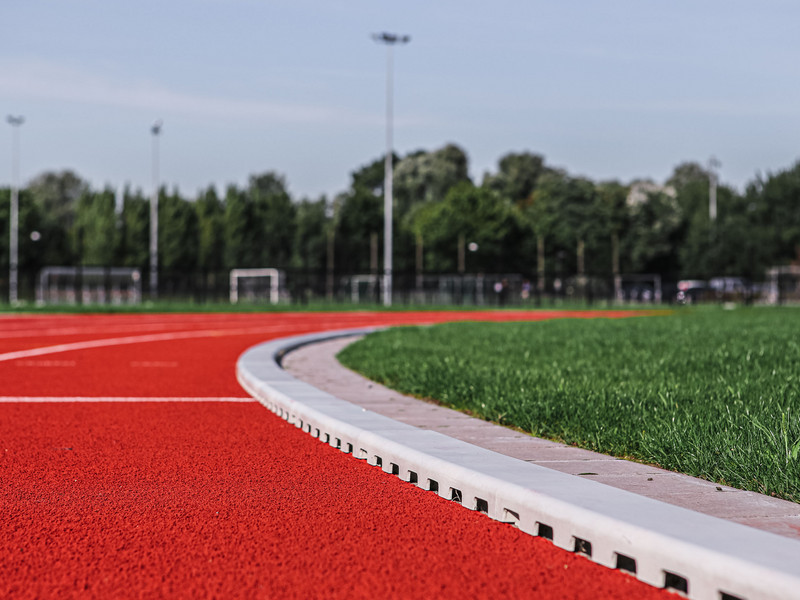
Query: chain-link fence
{"type": "Point", "coordinates": [106, 285]}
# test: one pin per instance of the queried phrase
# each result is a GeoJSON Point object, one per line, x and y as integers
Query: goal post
{"type": "Point", "coordinates": [357, 282]}
{"type": "Point", "coordinates": [641, 287]}
{"type": "Point", "coordinates": [89, 285]}
{"type": "Point", "coordinates": [254, 284]}
{"type": "Point", "coordinates": [783, 284]}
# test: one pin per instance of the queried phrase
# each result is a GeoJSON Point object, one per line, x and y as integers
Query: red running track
{"type": "Point", "coordinates": [133, 491]}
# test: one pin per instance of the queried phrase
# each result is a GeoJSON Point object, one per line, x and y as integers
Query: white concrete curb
{"type": "Point", "coordinates": [664, 545]}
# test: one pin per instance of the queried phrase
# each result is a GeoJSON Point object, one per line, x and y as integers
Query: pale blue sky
{"type": "Point", "coordinates": [615, 89]}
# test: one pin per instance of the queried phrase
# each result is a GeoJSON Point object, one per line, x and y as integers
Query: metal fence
{"type": "Point", "coordinates": [98, 285]}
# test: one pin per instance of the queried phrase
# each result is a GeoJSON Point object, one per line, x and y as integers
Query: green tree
{"type": "Point", "coordinates": [55, 196]}
{"type": "Point", "coordinates": [724, 246]}
{"type": "Point", "coordinates": [423, 177]}
{"type": "Point", "coordinates": [517, 176]}
{"type": "Point", "coordinates": [310, 240]}
{"type": "Point", "coordinates": [57, 193]}
{"type": "Point", "coordinates": [31, 256]}
{"type": "Point", "coordinates": [95, 235]}
{"type": "Point", "coordinates": [241, 249]}
{"type": "Point", "coordinates": [210, 213]}
{"type": "Point", "coordinates": [539, 213]}
{"type": "Point", "coordinates": [773, 203]}
{"type": "Point", "coordinates": [177, 233]}
{"type": "Point", "coordinates": [134, 248]}
{"type": "Point", "coordinates": [470, 214]}
{"type": "Point", "coordinates": [358, 217]}
{"type": "Point", "coordinates": [274, 219]}
{"type": "Point", "coordinates": [614, 214]}
{"type": "Point", "coordinates": [568, 212]}
{"type": "Point", "coordinates": [707, 249]}
{"type": "Point", "coordinates": [656, 231]}
{"type": "Point", "coordinates": [743, 243]}
{"type": "Point", "coordinates": [370, 177]}
{"type": "Point", "coordinates": [686, 174]}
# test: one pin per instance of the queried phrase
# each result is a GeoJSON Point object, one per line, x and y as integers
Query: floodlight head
{"type": "Point", "coordinates": [15, 121]}
{"type": "Point", "coordinates": [156, 128]}
{"type": "Point", "coordinates": [391, 38]}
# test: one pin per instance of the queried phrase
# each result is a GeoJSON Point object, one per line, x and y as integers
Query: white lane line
{"type": "Point", "coordinates": [89, 344]}
{"type": "Point", "coordinates": [35, 399]}
{"type": "Point", "coordinates": [25, 330]}
{"type": "Point", "coordinates": [154, 364]}
{"type": "Point", "coordinates": [163, 327]}
{"type": "Point", "coordinates": [140, 339]}
{"type": "Point", "coordinates": [28, 332]}
{"type": "Point", "coordinates": [46, 363]}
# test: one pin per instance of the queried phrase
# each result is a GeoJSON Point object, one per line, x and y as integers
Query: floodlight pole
{"type": "Point", "coordinates": [155, 130]}
{"type": "Point", "coordinates": [13, 250]}
{"type": "Point", "coordinates": [713, 165]}
{"type": "Point", "coordinates": [390, 39]}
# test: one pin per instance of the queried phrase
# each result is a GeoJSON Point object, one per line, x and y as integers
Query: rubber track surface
{"type": "Point", "coordinates": [222, 499]}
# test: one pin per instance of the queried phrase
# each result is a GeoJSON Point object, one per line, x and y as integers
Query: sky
{"type": "Point", "coordinates": [619, 89]}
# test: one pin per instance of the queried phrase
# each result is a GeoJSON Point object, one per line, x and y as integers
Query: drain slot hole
{"type": "Point", "coordinates": [481, 505]}
{"type": "Point", "coordinates": [626, 563]}
{"type": "Point", "coordinates": [455, 495]}
{"type": "Point", "coordinates": [582, 546]}
{"type": "Point", "coordinates": [433, 485]}
{"type": "Point", "coordinates": [673, 581]}
{"type": "Point", "coordinates": [544, 531]}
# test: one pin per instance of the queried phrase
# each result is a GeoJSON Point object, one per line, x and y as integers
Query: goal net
{"type": "Point", "coordinates": [256, 285]}
{"type": "Point", "coordinates": [89, 285]}
{"type": "Point", "coordinates": [363, 287]}
{"type": "Point", "coordinates": [783, 285]}
{"type": "Point", "coordinates": [642, 288]}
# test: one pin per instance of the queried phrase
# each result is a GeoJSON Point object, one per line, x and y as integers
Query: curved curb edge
{"type": "Point", "coordinates": [663, 545]}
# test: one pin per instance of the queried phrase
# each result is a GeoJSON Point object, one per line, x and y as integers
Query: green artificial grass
{"type": "Point", "coordinates": [715, 394]}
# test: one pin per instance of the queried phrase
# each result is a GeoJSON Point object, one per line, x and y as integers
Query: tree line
{"type": "Point", "coordinates": [526, 217]}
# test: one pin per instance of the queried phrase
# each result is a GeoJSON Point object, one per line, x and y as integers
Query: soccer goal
{"type": "Point", "coordinates": [642, 288]}
{"type": "Point", "coordinates": [783, 285]}
{"type": "Point", "coordinates": [363, 286]}
{"type": "Point", "coordinates": [89, 285]}
{"type": "Point", "coordinates": [255, 285]}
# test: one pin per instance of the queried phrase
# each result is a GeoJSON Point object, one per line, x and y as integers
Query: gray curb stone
{"type": "Point", "coordinates": [663, 545]}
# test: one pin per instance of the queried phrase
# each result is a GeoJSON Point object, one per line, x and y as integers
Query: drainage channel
{"type": "Point", "coordinates": [663, 545]}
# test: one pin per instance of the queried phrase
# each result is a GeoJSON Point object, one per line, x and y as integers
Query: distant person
{"type": "Point", "coordinates": [501, 289]}
{"type": "Point", "coordinates": [526, 290]}
{"type": "Point", "coordinates": [498, 290]}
